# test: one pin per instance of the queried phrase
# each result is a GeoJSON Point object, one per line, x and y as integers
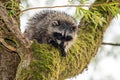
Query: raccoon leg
{"type": "Point", "coordinates": [62, 48]}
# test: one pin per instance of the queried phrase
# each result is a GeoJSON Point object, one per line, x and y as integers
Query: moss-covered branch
{"type": "Point", "coordinates": [47, 64]}
{"type": "Point", "coordinates": [43, 61]}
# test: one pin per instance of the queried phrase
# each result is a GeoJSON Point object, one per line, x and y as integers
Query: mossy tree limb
{"type": "Point", "coordinates": [43, 61]}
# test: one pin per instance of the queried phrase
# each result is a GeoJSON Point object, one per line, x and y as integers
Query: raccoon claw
{"type": "Point", "coordinates": [63, 54]}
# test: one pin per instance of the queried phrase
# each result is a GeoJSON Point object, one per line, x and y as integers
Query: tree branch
{"type": "Point", "coordinates": [82, 5]}
{"type": "Point", "coordinates": [112, 44]}
{"type": "Point", "coordinates": [63, 6]}
{"type": "Point", "coordinates": [12, 25]}
{"type": "Point", "coordinates": [6, 45]}
{"type": "Point", "coordinates": [45, 63]}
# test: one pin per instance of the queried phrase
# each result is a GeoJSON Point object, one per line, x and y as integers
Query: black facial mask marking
{"type": "Point", "coordinates": [68, 38]}
{"type": "Point", "coordinates": [59, 36]}
{"type": "Point", "coordinates": [62, 38]}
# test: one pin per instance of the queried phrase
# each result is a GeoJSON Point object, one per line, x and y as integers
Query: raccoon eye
{"type": "Point", "coordinates": [73, 28]}
{"type": "Point", "coordinates": [57, 35]}
{"type": "Point", "coordinates": [68, 38]}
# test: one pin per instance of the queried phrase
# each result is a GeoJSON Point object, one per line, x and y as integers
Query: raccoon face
{"type": "Point", "coordinates": [63, 35]}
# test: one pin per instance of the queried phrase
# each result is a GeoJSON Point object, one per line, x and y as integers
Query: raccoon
{"type": "Point", "coordinates": [53, 27]}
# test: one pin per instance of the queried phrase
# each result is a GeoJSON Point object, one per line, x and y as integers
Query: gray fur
{"type": "Point", "coordinates": [42, 26]}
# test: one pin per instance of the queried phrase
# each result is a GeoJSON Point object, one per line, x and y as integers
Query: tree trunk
{"type": "Point", "coordinates": [42, 61]}
{"type": "Point", "coordinates": [9, 60]}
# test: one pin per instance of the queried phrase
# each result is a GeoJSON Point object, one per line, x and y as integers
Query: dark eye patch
{"type": "Point", "coordinates": [60, 37]}
{"type": "Point", "coordinates": [68, 38]}
{"type": "Point", "coordinates": [73, 28]}
{"type": "Point", "coordinates": [57, 35]}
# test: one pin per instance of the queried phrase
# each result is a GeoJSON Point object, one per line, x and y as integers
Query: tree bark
{"type": "Point", "coordinates": [43, 61]}
{"type": "Point", "coordinates": [9, 60]}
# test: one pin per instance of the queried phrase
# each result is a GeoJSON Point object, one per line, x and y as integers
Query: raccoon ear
{"type": "Point", "coordinates": [55, 23]}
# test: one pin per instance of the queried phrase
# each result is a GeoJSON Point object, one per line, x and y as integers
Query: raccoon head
{"type": "Point", "coordinates": [63, 35]}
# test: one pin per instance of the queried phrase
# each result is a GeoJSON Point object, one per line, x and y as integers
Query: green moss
{"type": "Point", "coordinates": [45, 63]}
{"type": "Point", "coordinates": [13, 8]}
